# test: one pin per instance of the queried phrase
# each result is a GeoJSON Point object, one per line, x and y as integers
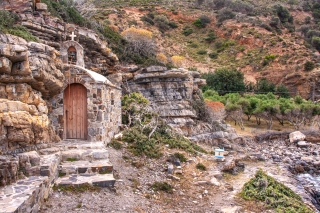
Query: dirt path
{"type": "Point", "coordinates": [192, 193]}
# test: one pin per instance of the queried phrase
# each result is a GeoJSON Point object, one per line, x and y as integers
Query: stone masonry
{"type": "Point", "coordinates": [104, 104]}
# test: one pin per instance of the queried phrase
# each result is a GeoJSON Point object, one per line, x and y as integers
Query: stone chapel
{"type": "Point", "coordinates": [89, 105]}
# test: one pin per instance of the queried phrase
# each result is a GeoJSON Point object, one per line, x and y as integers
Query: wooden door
{"type": "Point", "coordinates": [75, 112]}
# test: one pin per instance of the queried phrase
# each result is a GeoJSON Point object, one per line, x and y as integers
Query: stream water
{"type": "Point", "coordinates": [312, 186]}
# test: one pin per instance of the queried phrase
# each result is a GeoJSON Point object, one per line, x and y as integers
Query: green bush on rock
{"type": "Point", "coordinates": [147, 133]}
{"type": "Point", "coordinates": [7, 25]}
{"type": "Point", "coordinates": [274, 194]}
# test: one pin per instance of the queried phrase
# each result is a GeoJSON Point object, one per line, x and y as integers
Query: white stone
{"type": "Point", "coordinates": [296, 136]}
{"type": "Point", "coordinates": [118, 136]}
{"type": "Point", "coordinates": [302, 144]}
{"type": "Point", "coordinates": [214, 182]}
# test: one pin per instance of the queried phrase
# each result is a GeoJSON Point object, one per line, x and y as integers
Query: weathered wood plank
{"type": "Point", "coordinates": [75, 103]}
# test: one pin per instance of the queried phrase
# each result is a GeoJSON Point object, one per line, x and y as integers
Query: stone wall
{"type": "Point", "coordinates": [104, 105]}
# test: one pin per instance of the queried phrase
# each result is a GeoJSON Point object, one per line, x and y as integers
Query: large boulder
{"type": "Point", "coordinates": [296, 136]}
{"type": "Point", "coordinates": [229, 164]}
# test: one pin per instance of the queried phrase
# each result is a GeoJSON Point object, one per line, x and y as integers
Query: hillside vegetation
{"type": "Point", "coordinates": [277, 40]}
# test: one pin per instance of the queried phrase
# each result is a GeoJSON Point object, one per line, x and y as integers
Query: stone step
{"type": "Point", "coordinates": [49, 166]}
{"type": "Point", "coordinates": [84, 154]}
{"type": "Point", "coordinates": [80, 167]}
{"type": "Point", "coordinates": [26, 195]}
{"type": "Point", "coordinates": [105, 180]}
{"type": "Point", "coordinates": [71, 145]}
{"type": "Point", "coordinates": [76, 144]}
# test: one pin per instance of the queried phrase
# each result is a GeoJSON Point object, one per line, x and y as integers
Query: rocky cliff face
{"type": "Point", "coordinates": [29, 72]}
{"type": "Point", "coordinates": [31, 75]}
{"type": "Point", "coordinates": [171, 93]}
{"type": "Point", "coordinates": [52, 31]}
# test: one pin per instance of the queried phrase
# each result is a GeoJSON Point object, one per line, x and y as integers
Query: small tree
{"type": "Point", "coordinates": [267, 110]}
{"type": "Point", "coordinates": [210, 37]}
{"type": "Point", "coordinates": [225, 14]}
{"type": "Point", "coordinates": [265, 86]}
{"type": "Point", "coordinates": [140, 43]}
{"type": "Point", "coordinates": [225, 80]}
{"type": "Point", "coordinates": [136, 112]}
{"type": "Point", "coordinates": [202, 21]}
{"type": "Point", "coordinates": [308, 66]}
{"type": "Point", "coordinates": [282, 91]}
{"type": "Point", "coordinates": [283, 14]}
{"type": "Point", "coordinates": [316, 42]}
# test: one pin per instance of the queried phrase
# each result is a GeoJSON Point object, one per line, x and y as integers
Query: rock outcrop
{"type": "Point", "coordinates": [52, 31]}
{"type": "Point", "coordinates": [30, 73]}
{"type": "Point", "coordinates": [171, 93]}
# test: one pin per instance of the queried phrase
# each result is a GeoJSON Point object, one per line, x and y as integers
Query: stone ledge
{"type": "Point", "coordinates": [105, 180]}
{"type": "Point", "coordinates": [25, 196]}
{"type": "Point", "coordinates": [78, 167]}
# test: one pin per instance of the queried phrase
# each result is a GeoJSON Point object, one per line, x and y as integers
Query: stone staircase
{"type": "Point", "coordinates": [68, 163]}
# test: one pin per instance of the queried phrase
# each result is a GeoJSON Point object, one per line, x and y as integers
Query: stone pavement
{"type": "Point", "coordinates": [69, 162]}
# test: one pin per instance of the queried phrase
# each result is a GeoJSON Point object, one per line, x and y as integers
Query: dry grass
{"type": "Point", "coordinates": [251, 128]}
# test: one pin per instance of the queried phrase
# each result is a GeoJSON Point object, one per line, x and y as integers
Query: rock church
{"type": "Point", "coordinates": [89, 105]}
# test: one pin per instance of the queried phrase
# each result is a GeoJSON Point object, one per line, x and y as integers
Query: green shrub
{"type": "Point", "coordinates": [282, 91]}
{"type": "Point", "coordinates": [275, 22]}
{"type": "Point", "coordinates": [173, 24]}
{"type": "Point", "coordinates": [162, 186]}
{"type": "Point", "coordinates": [193, 45]}
{"type": "Point", "coordinates": [225, 80]}
{"type": "Point", "coordinates": [7, 19]}
{"type": "Point", "coordinates": [266, 26]}
{"type": "Point", "coordinates": [180, 156]}
{"type": "Point", "coordinates": [115, 144]}
{"type": "Point", "coordinates": [22, 32]}
{"type": "Point", "coordinates": [202, 52]}
{"type": "Point", "coordinates": [213, 55]}
{"type": "Point", "coordinates": [210, 37]}
{"type": "Point", "coordinates": [201, 167]}
{"type": "Point", "coordinates": [7, 25]}
{"type": "Point", "coordinates": [283, 14]}
{"type": "Point", "coordinates": [72, 159]}
{"type": "Point", "coordinates": [66, 11]}
{"type": "Point", "coordinates": [77, 189]}
{"type": "Point", "coordinates": [187, 31]}
{"type": "Point", "coordinates": [307, 20]}
{"type": "Point", "coordinates": [265, 86]}
{"type": "Point", "coordinates": [147, 20]}
{"type": "Point", "coordinates": [312, 33]}
{"type": "Point", "coordinates": [140, 144]}
{"type": "Point", "coordinates": [309, 65]}
{"type": "Point", "coordinates": [274, 194]}
{"type": "Point", "coordinates": [225, 14]}
{"type": "Point", "coordinates": [316, 11]}
{"type": "Point", "coordinates": [202, 21]}
{"type": "Point", "coordinates": [270, 57]}
{"type": "Point", "coordinates": [316, 42]}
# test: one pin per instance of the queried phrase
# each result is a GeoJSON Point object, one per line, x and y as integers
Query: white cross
{"type": "Point", "coordinates": [73, 36]}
